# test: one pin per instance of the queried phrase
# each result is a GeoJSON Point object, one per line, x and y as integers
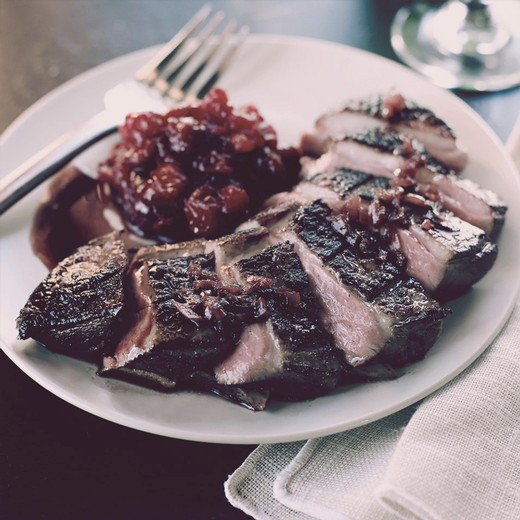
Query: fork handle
{"type": "Point", "coordinates": [32, 172]}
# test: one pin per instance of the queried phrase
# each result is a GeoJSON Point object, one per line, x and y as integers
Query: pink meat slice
{"type": "Point", "coordinates": [463, 197]}
{"type": "Point", "coordinates": [139, 338]}
{"type": "Point", "coordinates": [360, 115]}
{"type": "Point", "coordinates": [258, 355]}
{"type": "Point", "coordinates": [359, 330]}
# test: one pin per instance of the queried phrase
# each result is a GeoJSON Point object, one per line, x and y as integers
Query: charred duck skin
{"type": "Point", "coordinates": [289, 351]}
{"type": "Point", "coordinates": [76, 310]}
{"type": "Point", "coordinates": [183, 319]}
{"type": "Point", "coordinates": [361, 284]}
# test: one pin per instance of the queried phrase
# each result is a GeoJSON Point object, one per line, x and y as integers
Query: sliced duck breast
{"type": "Point", "coordinates": [177, 319]}
{"type": "Point", "coordinates": [332, 187]}
{"type": "Point", "coordinates": [445, 253]}
{"type": "Point", "coordinates": [290, 352]}
{"type": "Point", "coordinates": [390, 111]}
{"type": "Point", "coordinates": [388, 154]}
{"type": "Point", "coordinates": [447, 258]}
{"type": "Point", "coordinates": [356, 278]}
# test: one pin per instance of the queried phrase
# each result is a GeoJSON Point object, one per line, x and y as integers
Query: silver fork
{"type": "Point", "coordinates": [185, 68]}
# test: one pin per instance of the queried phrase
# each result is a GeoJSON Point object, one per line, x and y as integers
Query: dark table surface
{"type": "Point", "coordinates": [57, 461]}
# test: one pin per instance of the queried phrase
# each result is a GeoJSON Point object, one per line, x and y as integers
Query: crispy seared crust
{"type": "Point", "coordinates": [76, 309]}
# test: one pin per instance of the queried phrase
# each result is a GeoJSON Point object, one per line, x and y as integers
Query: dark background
{"type": "Point", "coordinates": [57, 461]}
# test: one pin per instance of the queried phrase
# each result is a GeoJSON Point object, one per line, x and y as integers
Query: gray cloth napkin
{"type": "Point", "coordinates": [455, 456]}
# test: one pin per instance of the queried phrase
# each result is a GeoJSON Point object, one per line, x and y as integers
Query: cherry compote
{"type": "Point", "coordinates": [197, 170]}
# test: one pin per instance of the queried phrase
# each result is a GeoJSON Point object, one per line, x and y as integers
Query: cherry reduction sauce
{"type": "Point", "coordinates": [196, 171]}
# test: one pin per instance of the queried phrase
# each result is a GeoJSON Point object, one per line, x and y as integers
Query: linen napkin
{"type": "Point", "coordinates": [454, 456]}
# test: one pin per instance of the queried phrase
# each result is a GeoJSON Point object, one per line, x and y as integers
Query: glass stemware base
{"type": "Point", "coordinates": [441, 43]}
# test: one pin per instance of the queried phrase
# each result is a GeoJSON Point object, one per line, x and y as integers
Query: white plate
{"type": "Point", "coordinates": [292, 81]}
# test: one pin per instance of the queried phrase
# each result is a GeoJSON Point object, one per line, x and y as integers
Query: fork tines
{"type": "Point", "coordinates": [193, 60]}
